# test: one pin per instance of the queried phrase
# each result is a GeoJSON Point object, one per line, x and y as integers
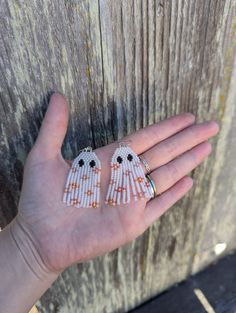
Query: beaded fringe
{"type": "Point", "coordinates": [127, 178]}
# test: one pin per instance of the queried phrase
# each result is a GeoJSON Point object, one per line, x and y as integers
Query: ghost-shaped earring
{"type": "Point", "coordinates": [83, 181]}
{"type": "Point", "coordinates": [127, 177]}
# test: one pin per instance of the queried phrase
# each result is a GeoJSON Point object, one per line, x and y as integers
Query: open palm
{"type": "Point", "coordinates": [63, 235]}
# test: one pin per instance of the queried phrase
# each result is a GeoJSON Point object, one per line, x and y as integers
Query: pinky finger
{"type": "Point", "coordinates": [156, 207]}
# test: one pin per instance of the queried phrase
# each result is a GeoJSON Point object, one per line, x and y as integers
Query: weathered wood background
{"type": "Point", "coordinates": [123, 65]}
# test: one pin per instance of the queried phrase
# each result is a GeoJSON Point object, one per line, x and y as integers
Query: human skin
{"type": "Point", "coordinates": [47, 236]}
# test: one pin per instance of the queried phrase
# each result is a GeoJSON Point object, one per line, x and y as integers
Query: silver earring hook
{"type": "Point", "coordinates": [87, 149]}
{"type": "Point", "coordinates": [124, 143]}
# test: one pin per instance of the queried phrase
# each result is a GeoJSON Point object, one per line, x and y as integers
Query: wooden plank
{"type": "Point", "coordinates": [220, 209]}
{"type": "Point", "coordinates": [212, 290]}
{"type": "Point", "coordinates": [123, 65]}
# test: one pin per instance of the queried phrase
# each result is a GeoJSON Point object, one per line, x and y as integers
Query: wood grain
{"type": "Point", "coordinates": [124, 65]}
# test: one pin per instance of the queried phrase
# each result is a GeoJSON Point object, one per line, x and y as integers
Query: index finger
{"type": "Point", "coordinates": [145, 138]}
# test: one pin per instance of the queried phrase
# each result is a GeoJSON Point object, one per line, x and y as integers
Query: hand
{"type": "Point", "coordinates": [64, 235]}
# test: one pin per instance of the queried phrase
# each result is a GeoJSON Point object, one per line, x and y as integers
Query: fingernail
{"type": "Point", "coordinates": [214, 125]}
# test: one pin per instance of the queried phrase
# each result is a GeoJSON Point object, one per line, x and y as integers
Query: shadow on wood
{"type": "Point", "coordinates": [212, 290]}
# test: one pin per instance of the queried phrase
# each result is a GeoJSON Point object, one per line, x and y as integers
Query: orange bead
{"type": "Point", "coordinates": [110, 201]}
{"type": "Point", "coordinates": [115, 166]}
{"type": "Point", "coordinates": [140, 179]}
{"type": "Point", "coordinates": [119, 189]}
{"type": "Point", "coordinates": [89, 192]}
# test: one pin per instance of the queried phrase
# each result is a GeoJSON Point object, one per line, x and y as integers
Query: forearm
{"type": "Point", "coordinates": [23, 276]}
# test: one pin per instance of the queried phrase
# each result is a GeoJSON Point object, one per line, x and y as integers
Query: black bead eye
{"type": "Point", "coordinates": [119, 159]}
{"type": "Point", "coordinates": [92, 163]}
{"type": "Point", "coordinates": [81, 162]}
{"type": "Point", "coordinates": [130, 157]}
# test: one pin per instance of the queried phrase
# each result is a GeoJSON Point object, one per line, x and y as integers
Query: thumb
{"type": "Point", "coordinates": [53, 128]}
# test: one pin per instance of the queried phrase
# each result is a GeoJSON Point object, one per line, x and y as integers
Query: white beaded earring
{"type": "Point", "coordinates": [83, 181]}
{"type": "Point", "coordinates": [127, 177]}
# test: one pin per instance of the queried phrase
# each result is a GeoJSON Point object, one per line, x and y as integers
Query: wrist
{"type": "Point", "coordinates": [24, 277]}
{"type": "Point", "coordinates": [28, 248]}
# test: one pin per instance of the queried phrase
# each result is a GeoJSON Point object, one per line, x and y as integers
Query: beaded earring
{"type": "Point", "coordinates": [127, 177]}
{"type": "Point", "coordinates": [83, 181]}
